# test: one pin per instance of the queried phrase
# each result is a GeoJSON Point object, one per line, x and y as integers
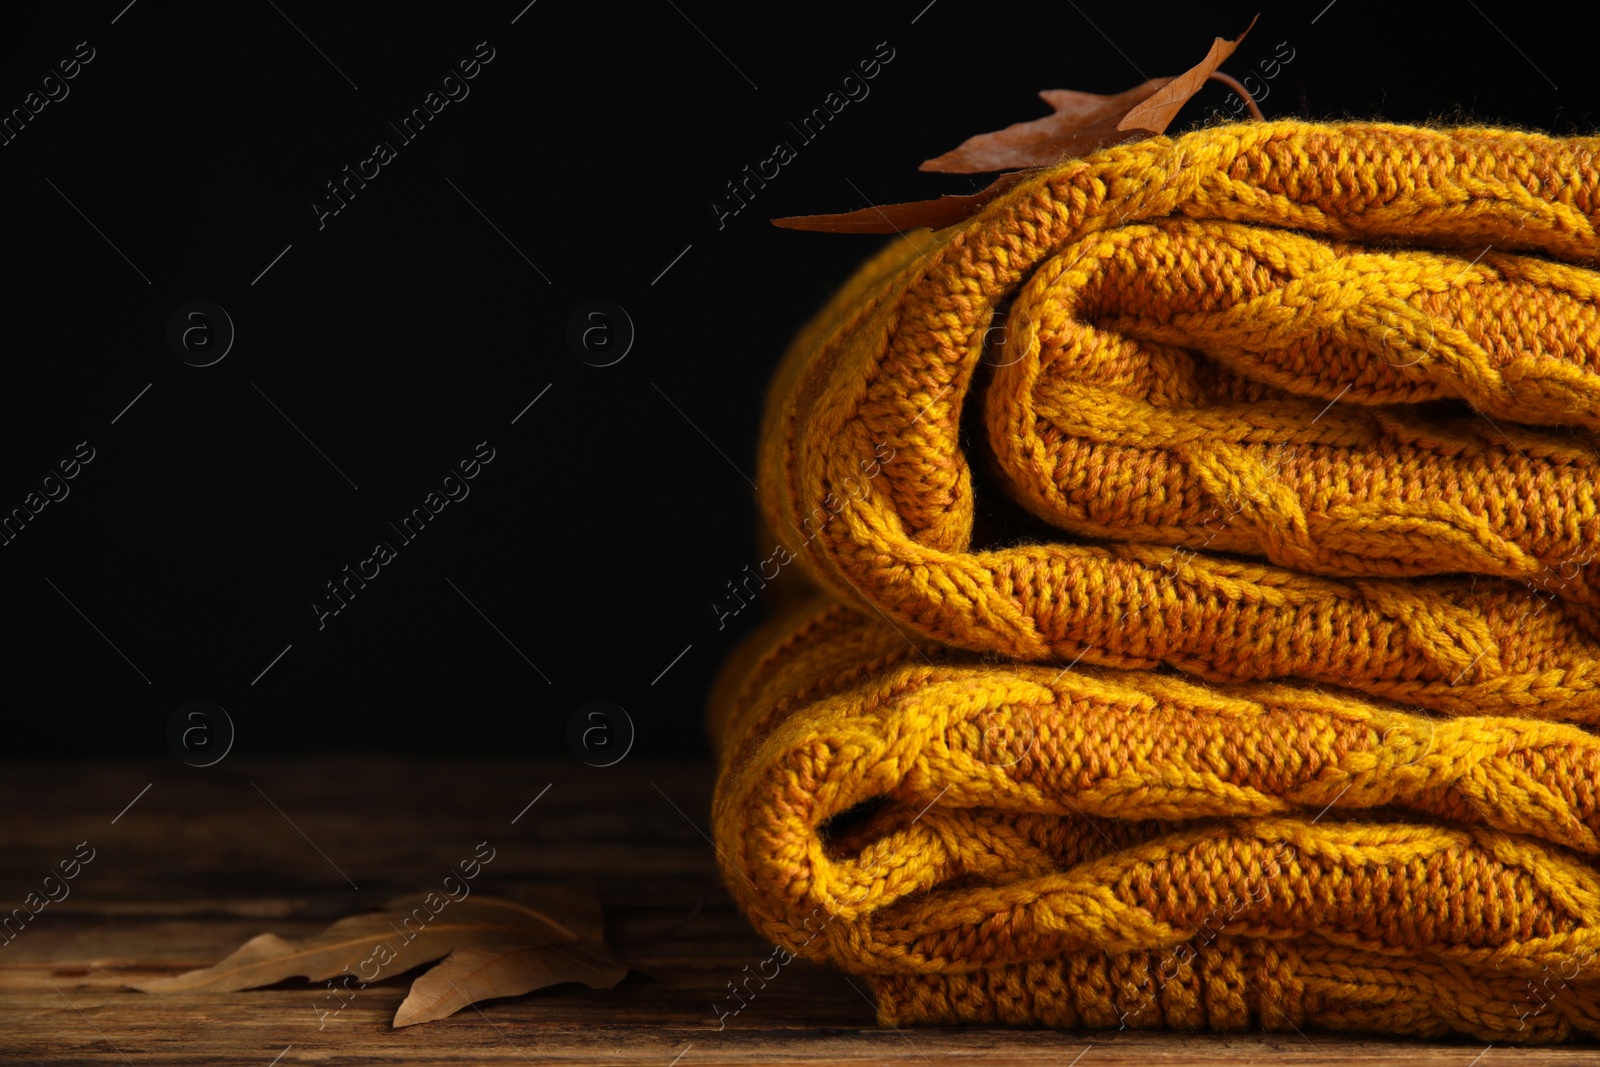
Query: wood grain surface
{"type": "Point", "coordinates": [204, 859]}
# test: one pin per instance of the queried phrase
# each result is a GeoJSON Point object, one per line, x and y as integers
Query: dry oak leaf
{"type": "Point", "coordinates": [1084, 122]}
{"type": "Point", "coordinates": [1081, 123]}
{"type": "Point", "coordinates": [489, 947]}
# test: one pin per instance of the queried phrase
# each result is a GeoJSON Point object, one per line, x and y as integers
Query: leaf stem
{"type": "Point", "coordinates": [1231, 82]}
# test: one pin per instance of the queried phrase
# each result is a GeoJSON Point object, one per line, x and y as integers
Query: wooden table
{"type": "Point", "coordinates": [202, 860]}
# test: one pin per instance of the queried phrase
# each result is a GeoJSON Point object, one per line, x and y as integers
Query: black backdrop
{"type": "Point", "coordinates": [384, 342]}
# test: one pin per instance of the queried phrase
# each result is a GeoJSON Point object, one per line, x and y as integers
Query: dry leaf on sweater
{"type": "Point", "coordinates": [490, 948]}
{"type": "Point", "coordinates": [898, 218]}
{"type": "Point", "coordinates": [1082, 122]}
{"type": "Point", "coordinates": [1160, 109]}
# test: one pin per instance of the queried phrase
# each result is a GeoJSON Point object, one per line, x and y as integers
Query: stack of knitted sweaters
{"type": "Point", "coordinates": [1191, 598]}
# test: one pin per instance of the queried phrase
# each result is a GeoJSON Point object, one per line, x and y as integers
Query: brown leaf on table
{"type": "Point", "coordinates": [1161, 108]}
{"type": "Point", "coordinates": [1082, 122]}
{"type": "Point", "coordinates": [490, 948]}
{"type": "Point", "coordinates": [469, 975]}
{"type": "Point", "coordinates": [897, 218]}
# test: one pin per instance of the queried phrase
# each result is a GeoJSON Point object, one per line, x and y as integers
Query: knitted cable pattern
{"type": "Point", "coordinates": [1275, 444]}
{"type": "Point", "coordinates": [1025, 844]}
{"type": "Point", "coordinates": [1198, 354]}
{"type": "Point", "coordinates": [1303, 412]}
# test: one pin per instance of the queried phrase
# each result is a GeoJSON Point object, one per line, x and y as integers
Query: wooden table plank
{"type": "Point", "coordinates": [206, 859]}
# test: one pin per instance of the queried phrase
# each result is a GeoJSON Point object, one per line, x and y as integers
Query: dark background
{"type": "Point", "coordinates": [408, 329]}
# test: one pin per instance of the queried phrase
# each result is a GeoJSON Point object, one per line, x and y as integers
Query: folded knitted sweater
{"type": "Point", "coordinates": [1209, 535]}
{"type": "Point", "coordinates": [1230, 416]}
{"type": "Point", "coordinates": [1021, 844]}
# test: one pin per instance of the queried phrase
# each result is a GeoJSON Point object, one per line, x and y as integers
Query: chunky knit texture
{"type": "Point", "coordinates": [1304, 412]}
{"type": "Point", "coordinates": [1276, 445]}
{"type": "Point", "coordinates": [1023, 844]}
